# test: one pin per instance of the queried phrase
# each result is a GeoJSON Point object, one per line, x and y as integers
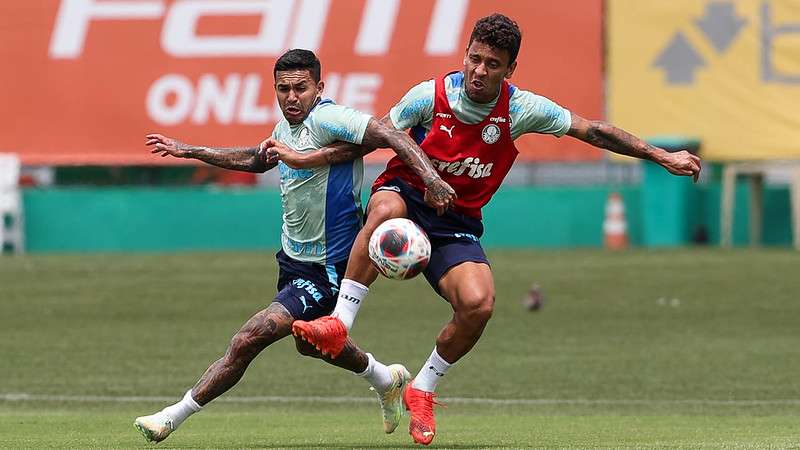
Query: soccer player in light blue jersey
{"type": "Point", "coordinates": [321, 217]}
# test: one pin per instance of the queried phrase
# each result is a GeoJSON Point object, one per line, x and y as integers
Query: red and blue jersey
{"type": "Point", "coordinates": [472, 158]}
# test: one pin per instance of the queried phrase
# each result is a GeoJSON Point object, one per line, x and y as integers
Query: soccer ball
{"type": "Point", "coordinates": [399, 249]}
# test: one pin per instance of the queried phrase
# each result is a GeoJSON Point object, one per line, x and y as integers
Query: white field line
{"type": "Point", "coordinates": [22, 397]}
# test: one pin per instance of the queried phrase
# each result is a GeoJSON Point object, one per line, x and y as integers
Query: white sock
{"type": "Point", "coordinates": [377, 374]}
{"type": "Point", "coordinates": [351, 295]}
{"type": "Point", "coordinates": [182, 410]}
{"type": "Point", "coordinates": [430, 374]}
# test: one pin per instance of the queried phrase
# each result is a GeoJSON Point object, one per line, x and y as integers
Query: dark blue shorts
{"type": "Point", "coordinates": [455, 238]}
{"type": "Point", "coordinates": [308, 290]}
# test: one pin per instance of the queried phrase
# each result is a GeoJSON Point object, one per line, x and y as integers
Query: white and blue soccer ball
{"type": "Point", "coordinates": [399, 249]}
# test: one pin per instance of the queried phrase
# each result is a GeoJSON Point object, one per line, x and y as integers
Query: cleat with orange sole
{"type": "Point", "coordinates": [422, 426]}
{"type": "Point", "coordinates": [328, 334]}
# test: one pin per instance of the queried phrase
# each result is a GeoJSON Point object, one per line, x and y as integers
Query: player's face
{"type": "Point", "coordinates": [485, 67]}
{"type": "Point", "coordinates": [297, 93]}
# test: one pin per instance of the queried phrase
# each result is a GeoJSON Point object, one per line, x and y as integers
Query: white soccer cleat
{"type": "Point", "coordinates": [392, 400]}
{"type": "Point", "coordinates": [155, 427]}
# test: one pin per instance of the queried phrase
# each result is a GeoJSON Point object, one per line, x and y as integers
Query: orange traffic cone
{"type": "Point", "coordinates": [615, 228]}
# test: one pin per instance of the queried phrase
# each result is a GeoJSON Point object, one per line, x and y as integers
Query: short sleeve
{"type": "Point", "coordinates": [531, 113]}
{"type": "Point", "coordinates": [341, 123]}
{"type": "Point", "coordinates": [415, 108]}
{"type": "Point", "coordinates": [274, 134]}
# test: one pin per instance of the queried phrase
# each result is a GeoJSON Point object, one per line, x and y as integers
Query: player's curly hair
{"type": "Point", "coordinates": [500, 32]}
{"type": "Point", "coordinates": [299, 59]}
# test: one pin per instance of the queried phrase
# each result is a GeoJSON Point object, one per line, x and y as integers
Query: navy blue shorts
{"type": "Point", "coordinates": [308, 290]}
{"type": "Point", "coordinates": [455, 238]}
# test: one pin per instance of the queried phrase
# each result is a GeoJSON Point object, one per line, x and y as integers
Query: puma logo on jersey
{"type": "Point", "coordinates": [470, 167]}
{"type": "Point", "coordinates": [449, 132]}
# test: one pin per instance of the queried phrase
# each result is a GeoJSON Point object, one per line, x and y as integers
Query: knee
{"type": "Point", "coordinates": [383, 211]}
{"type": "Point", "coordinates": [476, 308]}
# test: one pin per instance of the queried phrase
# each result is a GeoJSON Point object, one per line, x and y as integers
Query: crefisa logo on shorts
{"type": "Point", "coordinates": [490, 133]}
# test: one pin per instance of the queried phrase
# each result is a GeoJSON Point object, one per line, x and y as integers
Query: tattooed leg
{"type": "Point", "coordinates": [352, 357]}
{"type": "Point", "coordinates": [264, 328]}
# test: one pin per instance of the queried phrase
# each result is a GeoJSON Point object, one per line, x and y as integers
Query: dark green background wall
{"type": "Point", "coordinates": [135, 219]}
{"type": "Point", "coordinates": [165, 219]}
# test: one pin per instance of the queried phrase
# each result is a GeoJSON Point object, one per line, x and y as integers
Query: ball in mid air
{"type": "Point", "coordinates": [399, 249]}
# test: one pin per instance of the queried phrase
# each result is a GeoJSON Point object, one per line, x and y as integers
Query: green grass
{"type": "Point", "coordinates": [611, 361]}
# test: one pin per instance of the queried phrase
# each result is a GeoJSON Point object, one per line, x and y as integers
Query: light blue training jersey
{"type": "Point", "coordinates": [321, 206]}
{"type": "Point", "coordinates": [530, 113]}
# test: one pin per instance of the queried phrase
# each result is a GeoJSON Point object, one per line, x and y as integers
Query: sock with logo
{"type": "Point", "coordinates": [182, 410]}
{"type": "Point", "coordinates": [430, 374]}
{"type": "Point", "coordinates": [351, 295]}
{"type": "Point", "coordinates": [377, 374]}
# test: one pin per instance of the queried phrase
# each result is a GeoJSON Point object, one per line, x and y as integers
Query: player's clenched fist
{"type": "Point", "coordinates": [272, 150]}
{"type": "Point", "coordinates": [439, 195]}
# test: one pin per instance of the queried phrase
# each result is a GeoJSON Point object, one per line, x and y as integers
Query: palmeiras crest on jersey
{"type": "Point", "coordinates": [490, 133]}
{"type": "Point", "coordinates": [304, 139]}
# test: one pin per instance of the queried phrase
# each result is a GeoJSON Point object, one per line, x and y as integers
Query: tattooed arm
{"type": "Point", "coordinates": [379, 134]}
{"type": "Point", "coordinates": [384, 135]}
{"type": "Point", "coordinates": [335, 153]}
{"type": "Point", "coordinates": [438, 194]}
{"type": "Point", "coordinates": [604, 135]}
{"type": "Point", "coordinates": [246, 159]}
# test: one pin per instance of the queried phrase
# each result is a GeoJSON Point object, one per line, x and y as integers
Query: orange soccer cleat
{"type": "Point", "coordinates": [422, 426]}
{"type": "Point", "coordinates": [328, 334]}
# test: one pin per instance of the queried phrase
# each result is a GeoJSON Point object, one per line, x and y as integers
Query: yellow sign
{"type": "Point", "coordinates": [726, 72]}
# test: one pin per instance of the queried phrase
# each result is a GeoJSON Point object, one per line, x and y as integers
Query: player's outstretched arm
{"type": "Point", "coordinates": [246, 159]}
{"type": "Point", "coordinates": [604, 135]}
{"type": "Point", "coordinates": [438, 194]}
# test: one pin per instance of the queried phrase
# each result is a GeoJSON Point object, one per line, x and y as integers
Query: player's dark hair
{"type": "Point", "coordinates": [500, 32]}
{"type": "Point", "coordinates": [299, 59]}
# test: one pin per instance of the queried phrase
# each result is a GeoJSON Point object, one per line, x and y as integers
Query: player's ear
{"type": "Point", "coordinates": [320, 87]}
{"type": "Point", "coordinates": [511, 68]}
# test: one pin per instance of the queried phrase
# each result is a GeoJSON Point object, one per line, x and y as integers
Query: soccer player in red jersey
{"type": "Point", "coordinates": [466, 123]}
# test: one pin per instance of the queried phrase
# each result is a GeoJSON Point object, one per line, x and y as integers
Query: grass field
{"type": "Point", "coordinates": [657, 349]}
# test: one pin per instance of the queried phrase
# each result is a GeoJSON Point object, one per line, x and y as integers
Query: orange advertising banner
{"type": "Point", "coordinates": [84, 80]}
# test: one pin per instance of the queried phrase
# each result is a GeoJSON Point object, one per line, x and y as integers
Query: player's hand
{"type": "Point", "coordinates": [439, 195]}
{"type": "Point", "coordinates": [167, 146]}
{"type": "Point", "coordinates": [683, 163]}
{"type": "Point", "coordinates": [275, 150]}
